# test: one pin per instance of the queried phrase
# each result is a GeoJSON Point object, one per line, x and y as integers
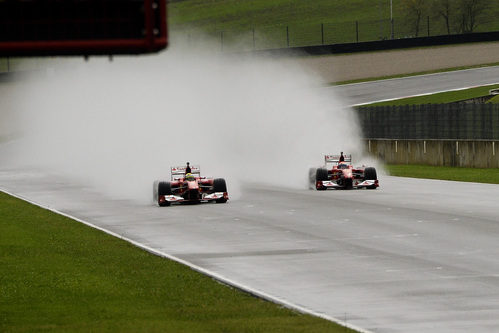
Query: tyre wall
{"type": "Point", "coordinates": [456, 153]}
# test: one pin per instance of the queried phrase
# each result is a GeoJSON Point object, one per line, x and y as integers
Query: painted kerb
{"type": "Point", "coordinates": [455, 153]}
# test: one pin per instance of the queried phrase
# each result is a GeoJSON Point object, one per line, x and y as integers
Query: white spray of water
{"type": "Point", "coordinates": [120, 125]}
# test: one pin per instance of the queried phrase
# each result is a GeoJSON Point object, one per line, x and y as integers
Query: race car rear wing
{"type": "Point", "coordinates": [336, 158]}
{"type": "Point", "coordinates": [180, 171]}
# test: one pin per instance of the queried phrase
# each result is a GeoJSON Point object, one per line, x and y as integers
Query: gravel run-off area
{"type": "Point", "coordinates": [335, 68]}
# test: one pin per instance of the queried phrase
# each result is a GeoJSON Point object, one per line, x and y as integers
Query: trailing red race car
{"type": "Point", "coordinates": [342, 175]}
{"type": "Point", "coordinates": [190, 187]}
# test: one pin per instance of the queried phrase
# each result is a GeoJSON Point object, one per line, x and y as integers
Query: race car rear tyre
{"type": "Point", "coordinates": [219, 185]}
{"type": "Point", "coordinates": [370, 174]}
{"type": "Point", "coordinates": [164, 188]}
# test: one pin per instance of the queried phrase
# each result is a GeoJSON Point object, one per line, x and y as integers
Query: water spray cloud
{"type": "Point", "coordinates": [120, 125]}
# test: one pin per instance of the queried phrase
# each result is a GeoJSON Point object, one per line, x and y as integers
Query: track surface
{"type": "Point", "coordinates": [412, 256]}
{"type": "Point", "coordinates": [376, 91]}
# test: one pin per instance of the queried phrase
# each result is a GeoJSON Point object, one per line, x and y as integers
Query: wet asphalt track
{"type": "Point", "coordinates": [412, 256]}
{"type": "Point", "coordinates": [375, 91]}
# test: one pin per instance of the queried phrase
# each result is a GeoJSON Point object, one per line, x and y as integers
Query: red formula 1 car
{"type": "Point", "coordinates": [342, 175]}
{"type": "Point", "coordinates": [189, 187]}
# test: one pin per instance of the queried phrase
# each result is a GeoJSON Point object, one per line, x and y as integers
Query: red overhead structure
{"type": "Point", "coordinates": [81, 27]}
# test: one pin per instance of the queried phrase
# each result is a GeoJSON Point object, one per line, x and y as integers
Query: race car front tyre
{"type": "Point", "coordinates": [219, 185]}
{"type": "Point", "coordinates": [321, 175]}
{"type": "Point", "coordinates": [164, 188]}
{"type": "Point", "coordinates": [370, 174]}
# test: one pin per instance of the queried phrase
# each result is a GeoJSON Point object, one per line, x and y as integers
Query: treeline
{"type": "Point", "coordinates": [458, 16]}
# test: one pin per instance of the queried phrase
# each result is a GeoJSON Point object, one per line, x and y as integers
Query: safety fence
{"type": "Point", "coordinates": [301, 35]}
{"type": "Point", "coordinates": [456, 121]}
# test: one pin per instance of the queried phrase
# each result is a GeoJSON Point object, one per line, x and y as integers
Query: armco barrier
{"type": "Point", "coordinates": [455, 153]}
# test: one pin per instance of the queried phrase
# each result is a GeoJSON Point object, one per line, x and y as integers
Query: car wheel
{"type": "Point", "coordinates": [164, 188]}
{"type": "Point", "coordinates": [219, 185]}
{"type": "Point", "coordinates": [370, 174]}
{"type": "Point", "coordinates": [321, 175]}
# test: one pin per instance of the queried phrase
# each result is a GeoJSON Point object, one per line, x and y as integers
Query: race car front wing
{"type": "Point", "coordinates": [205, 198]}
{"type": "Point", "coordinates": [356, 184]}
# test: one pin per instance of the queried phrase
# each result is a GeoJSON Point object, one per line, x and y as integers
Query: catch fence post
{"type": "Point", "coordinates": [357, 30]}
{"type": "Point", "coordinates": [287, 35]}
{"type": "Point", "coordinates": [254, 44]}
{"type": "Point", "coordinates": [322, 33]}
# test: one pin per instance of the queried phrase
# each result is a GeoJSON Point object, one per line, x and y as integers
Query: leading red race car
{"type": "Point", "coordinates": [342, 175]}
{"type": "Point", "coordinates": [190, 187]}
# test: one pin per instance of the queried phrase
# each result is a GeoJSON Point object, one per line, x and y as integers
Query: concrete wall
{"type": "Point", "coordinates": [457, 153]}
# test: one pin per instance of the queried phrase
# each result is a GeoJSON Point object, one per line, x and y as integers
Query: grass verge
{"type": "Point", "coordinates": [494, 100]}
{"type": "Point", "coordinates": [445, 173]}
{"type": "Point", "coordinates": [59, 275]}
{"type": "Point", "coordinates": [443, 97]}
{"type": "Point", "coordinates": [373, 18]}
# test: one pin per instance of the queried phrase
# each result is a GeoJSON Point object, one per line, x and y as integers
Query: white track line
{"type": "Point", "coordinates": [216, 276]}
{"type": "Point", "coordinates": [424, 94]}
{"type": "Point", "coordinates": [409, 76]}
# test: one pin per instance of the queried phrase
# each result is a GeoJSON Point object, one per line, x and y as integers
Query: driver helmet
{"type": "Point", "coordinates": [189, 176]}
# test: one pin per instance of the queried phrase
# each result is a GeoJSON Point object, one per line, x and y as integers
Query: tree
{"type": "Point", "coordinates": [444, 9]}
{"type": "Point", "coordinates": [470, 13]}
{"type": "Point", "coordinates": [414, 11]}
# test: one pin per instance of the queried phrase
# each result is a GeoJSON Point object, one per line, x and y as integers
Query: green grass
{"type": "Point", "coordinates": [269, 19]}
{"type": "Point", "coordinates": [58, 275]}
{"type": "Point", "coordinates": [445, 173]}
{"type": "Point", "coordinates": [443, 97]}
{"type": "Point", "coordinates": [234, 14]}
{"type": "Point", "coordinates": [494, 100]}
